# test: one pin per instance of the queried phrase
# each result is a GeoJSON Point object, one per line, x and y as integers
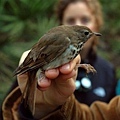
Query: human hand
{"type": "Point", "coordinates": [55, 89]}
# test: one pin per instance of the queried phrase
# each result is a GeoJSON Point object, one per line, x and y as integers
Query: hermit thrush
{"type": "Point", "coordinates": [58, 46]}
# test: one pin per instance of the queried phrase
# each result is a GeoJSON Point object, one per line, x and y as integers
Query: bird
{"type": "Point", "coordinates": [56, 47]}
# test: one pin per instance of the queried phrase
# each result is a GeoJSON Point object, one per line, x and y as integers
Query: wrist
{"type": "Point", "coordinates": [43, 106]}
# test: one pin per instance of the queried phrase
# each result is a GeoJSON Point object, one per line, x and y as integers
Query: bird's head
{"type": "Point", "coordinates": [84, 33]}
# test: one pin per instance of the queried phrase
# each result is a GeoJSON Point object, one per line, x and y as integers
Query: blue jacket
{"type": "Point", "coordinates": [99, 86]}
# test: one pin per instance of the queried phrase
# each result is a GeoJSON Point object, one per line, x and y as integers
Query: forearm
{"type": "Point", "coordinates": [46, 106]}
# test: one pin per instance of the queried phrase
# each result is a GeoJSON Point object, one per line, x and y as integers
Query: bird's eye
{"type": "Point", "coordinates": [86, 32]}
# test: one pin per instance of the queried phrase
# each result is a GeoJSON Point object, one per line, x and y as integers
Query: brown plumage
{"type": "Point", "coordinates": [55, 48]}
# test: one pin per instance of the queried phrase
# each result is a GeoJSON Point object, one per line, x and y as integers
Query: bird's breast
{"type": "Point", "coordinates": [69, 54]}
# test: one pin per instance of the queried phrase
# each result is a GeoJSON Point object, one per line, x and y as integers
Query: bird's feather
{"type": "Point", "coordinates": [49, 47]}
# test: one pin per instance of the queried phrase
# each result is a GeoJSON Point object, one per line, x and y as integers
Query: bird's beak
{"type": "Point", "coordinates": [97, 34]}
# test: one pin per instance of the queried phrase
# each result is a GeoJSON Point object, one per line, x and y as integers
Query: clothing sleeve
{"type": "Point", "coordinates": [73, 110]}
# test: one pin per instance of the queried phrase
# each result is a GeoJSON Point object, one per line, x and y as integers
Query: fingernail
{"type": "Point", "coordinates": [51, 70]}
{"type": "Point", "coordinates": [66, 67]}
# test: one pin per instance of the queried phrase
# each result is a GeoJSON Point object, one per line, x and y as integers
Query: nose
{"type": "Point", "coordinates": [78, 22]}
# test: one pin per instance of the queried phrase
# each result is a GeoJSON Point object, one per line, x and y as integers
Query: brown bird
{"type": "Point", "coordinates": [58, 46]}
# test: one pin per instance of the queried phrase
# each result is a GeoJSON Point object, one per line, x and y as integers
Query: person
{"type": "Point", "coordinates": [100, 86]}
{"type": "Point", "coordinates": [57, 102]}
{"type": "Point", "coordinates": [55, 99]}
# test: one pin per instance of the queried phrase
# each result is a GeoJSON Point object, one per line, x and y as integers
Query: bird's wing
{"type": "Point", "coordinates": [49, 47]}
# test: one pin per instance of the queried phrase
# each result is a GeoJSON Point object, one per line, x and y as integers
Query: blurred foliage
{"type": "Point", "coordinates": [110, 44]}
{"type": "Point", "coordinates": [23, 22]}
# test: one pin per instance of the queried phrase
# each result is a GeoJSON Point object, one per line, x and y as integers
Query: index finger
{"type": "Point", "coordinates": [65, 69]}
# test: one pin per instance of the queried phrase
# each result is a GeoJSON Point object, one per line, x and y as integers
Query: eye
{"type": "Point", "coordinates": [86, 32]}
{"type": "Point", "coordinates": [70, 21]}
{"type": "Point", "coordinates": [85, 20]}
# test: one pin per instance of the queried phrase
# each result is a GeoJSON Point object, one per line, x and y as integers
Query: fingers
{"type": "Point", "coordinates": [64, 69]}
{"type": "Point", "coordinates": [52, 73]}
{"type": "Point", "coordinates": [64, 72]}
{"type": "Point", "coordinates": [64, 77]}
{"type": "Point", "coordinates": [43, 84]}
{"type": "Point", "coordinates": [67, 68]}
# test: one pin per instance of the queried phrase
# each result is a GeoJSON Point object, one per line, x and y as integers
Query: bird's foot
{"type": "Point", "coordinates": [89, 68]}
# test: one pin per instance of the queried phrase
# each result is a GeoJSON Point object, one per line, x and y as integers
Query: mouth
{"type": "Point", "coordinates": [97, 34]}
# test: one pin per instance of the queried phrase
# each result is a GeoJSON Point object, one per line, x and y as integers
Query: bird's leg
{"type": "Point", "coordinates": [89, 68]}
{"type": "Point", "coordinates": [29, 93]}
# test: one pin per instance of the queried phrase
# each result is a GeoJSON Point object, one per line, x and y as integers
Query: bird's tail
{"type": "Point", "coordinates": [20, 70]}
{"type": "Point", "coordinates": [29, 93]}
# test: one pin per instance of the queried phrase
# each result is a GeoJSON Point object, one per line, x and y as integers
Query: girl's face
{"type": "Point", "coordinates": [79, 13]}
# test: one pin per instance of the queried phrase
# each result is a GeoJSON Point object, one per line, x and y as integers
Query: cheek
{"type": "Point", "coordinates": [88, 44]}
{"type": "Point", "coordinates": [92, 26]}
